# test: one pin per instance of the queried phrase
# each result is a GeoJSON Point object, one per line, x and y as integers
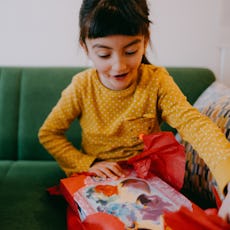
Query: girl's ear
{"type": "Point", "coordinates": [146, 43]}
{"type": "Point", "coordinates": [83, 45]}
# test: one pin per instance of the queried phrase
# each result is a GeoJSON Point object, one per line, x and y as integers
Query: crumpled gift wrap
{"type": "Point", "coordinates": [197, 219]}
{"type": "Point", "coordinates": [163, 156]}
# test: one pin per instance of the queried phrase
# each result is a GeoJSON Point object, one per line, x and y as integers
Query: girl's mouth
{"type": "Point", "coordinates": [121, 75]}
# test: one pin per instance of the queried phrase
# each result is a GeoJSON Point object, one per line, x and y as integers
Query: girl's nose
{"type": "Point", "coordinates": [119, 65]}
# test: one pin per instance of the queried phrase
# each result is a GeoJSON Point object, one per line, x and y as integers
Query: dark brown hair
{"type": "Point", "coordinates": [101, 18]}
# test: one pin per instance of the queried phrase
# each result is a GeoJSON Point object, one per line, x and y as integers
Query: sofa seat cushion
{"type": "Point", "coordinates": [25, 204]}
{"type": "Point", "coordinates": [4, 167]}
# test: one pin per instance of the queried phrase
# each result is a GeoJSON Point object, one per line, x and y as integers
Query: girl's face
{"type": "Point", "coordinates": [116, 58]}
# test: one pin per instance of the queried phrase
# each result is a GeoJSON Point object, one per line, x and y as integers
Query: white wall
{"type": "Point", "coordinates": [39, 32]}
{"type": "Point", "coordinates": [45, 33]}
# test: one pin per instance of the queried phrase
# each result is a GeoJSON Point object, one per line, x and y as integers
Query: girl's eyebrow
{"type": "Point", "coordinates": [98, 45]}
{"type": "Point", "coordinates": [133, 42]}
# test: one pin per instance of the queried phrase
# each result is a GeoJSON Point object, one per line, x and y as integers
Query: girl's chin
{"type": "Point", "coordinates": [117, 83]}
{"type": "Point", "coordinates": [121, 83]}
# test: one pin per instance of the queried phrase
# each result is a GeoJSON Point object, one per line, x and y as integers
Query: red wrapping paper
{"type": "Point", "coordinates": [162, 156]}
{"type": "Point", "coordinates": [97, 221]}
{"type": "Point", "coordinates": [194, 220]}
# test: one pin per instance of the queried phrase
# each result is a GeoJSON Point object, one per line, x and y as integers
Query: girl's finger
{"type": "Point", "coordinates": [116, 169]}
{"type": "Point", "coordinates": [98, 172]}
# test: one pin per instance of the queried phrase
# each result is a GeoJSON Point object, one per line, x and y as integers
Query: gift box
{"type": "Point", "coordinates": [138, 203]}
{"type": "Point", "coordinates": [132, 203]}
{"type": "Point", "coordinates": [147, 197]}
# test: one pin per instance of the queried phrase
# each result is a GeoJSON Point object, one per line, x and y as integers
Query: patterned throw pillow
{"type": "Point", "coordinates": [198, 178]}
{"type": "Point", "coordinates": [213, 93]}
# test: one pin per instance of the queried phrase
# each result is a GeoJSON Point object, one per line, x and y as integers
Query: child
{"type": "Point", "coordinates": [123, 96]}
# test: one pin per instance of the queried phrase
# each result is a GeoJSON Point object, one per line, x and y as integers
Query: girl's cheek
{"type": "Point", "coordinates": [102, 67]}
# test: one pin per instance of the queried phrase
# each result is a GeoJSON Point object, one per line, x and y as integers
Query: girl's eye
{"type": "Point", "coordinates": [130, 52]}
{"type": "Point", "coordinates": [103, 55]}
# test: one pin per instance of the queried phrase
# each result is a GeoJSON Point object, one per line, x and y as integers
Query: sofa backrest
{"type": "Point", "coordinates": [27, 95]}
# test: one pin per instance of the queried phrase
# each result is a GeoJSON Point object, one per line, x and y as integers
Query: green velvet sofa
{"type": "Point", "coordinates": [26, 170]}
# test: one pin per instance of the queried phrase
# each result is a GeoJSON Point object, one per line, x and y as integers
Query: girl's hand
{"type": "Point", "coordinates": [224, 210]}
{"type": "Point", "coordinates": [107, 169]}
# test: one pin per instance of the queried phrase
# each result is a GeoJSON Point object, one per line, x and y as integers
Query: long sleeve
{"type": "Point", "coordinates": [197, 129]}
{"type": "Point", "coordinates": [112, 121]}
{"type": "Point", "coordinates": [52, 133]}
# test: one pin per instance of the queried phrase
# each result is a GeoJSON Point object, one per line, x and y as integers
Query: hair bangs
{"type": "Point", "coordinates": [107, 23]}
{"type": "Point", "coordinates": [112, 17]}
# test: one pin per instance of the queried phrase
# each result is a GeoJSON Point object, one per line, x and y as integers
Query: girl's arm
{"type": "Point", "coordinates": [52, 133]}
{"type": "Point", "coordinates": [197, 129]}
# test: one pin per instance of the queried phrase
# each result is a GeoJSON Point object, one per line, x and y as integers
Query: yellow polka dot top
{"type": "Point", "coordinates": [112, 121]}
